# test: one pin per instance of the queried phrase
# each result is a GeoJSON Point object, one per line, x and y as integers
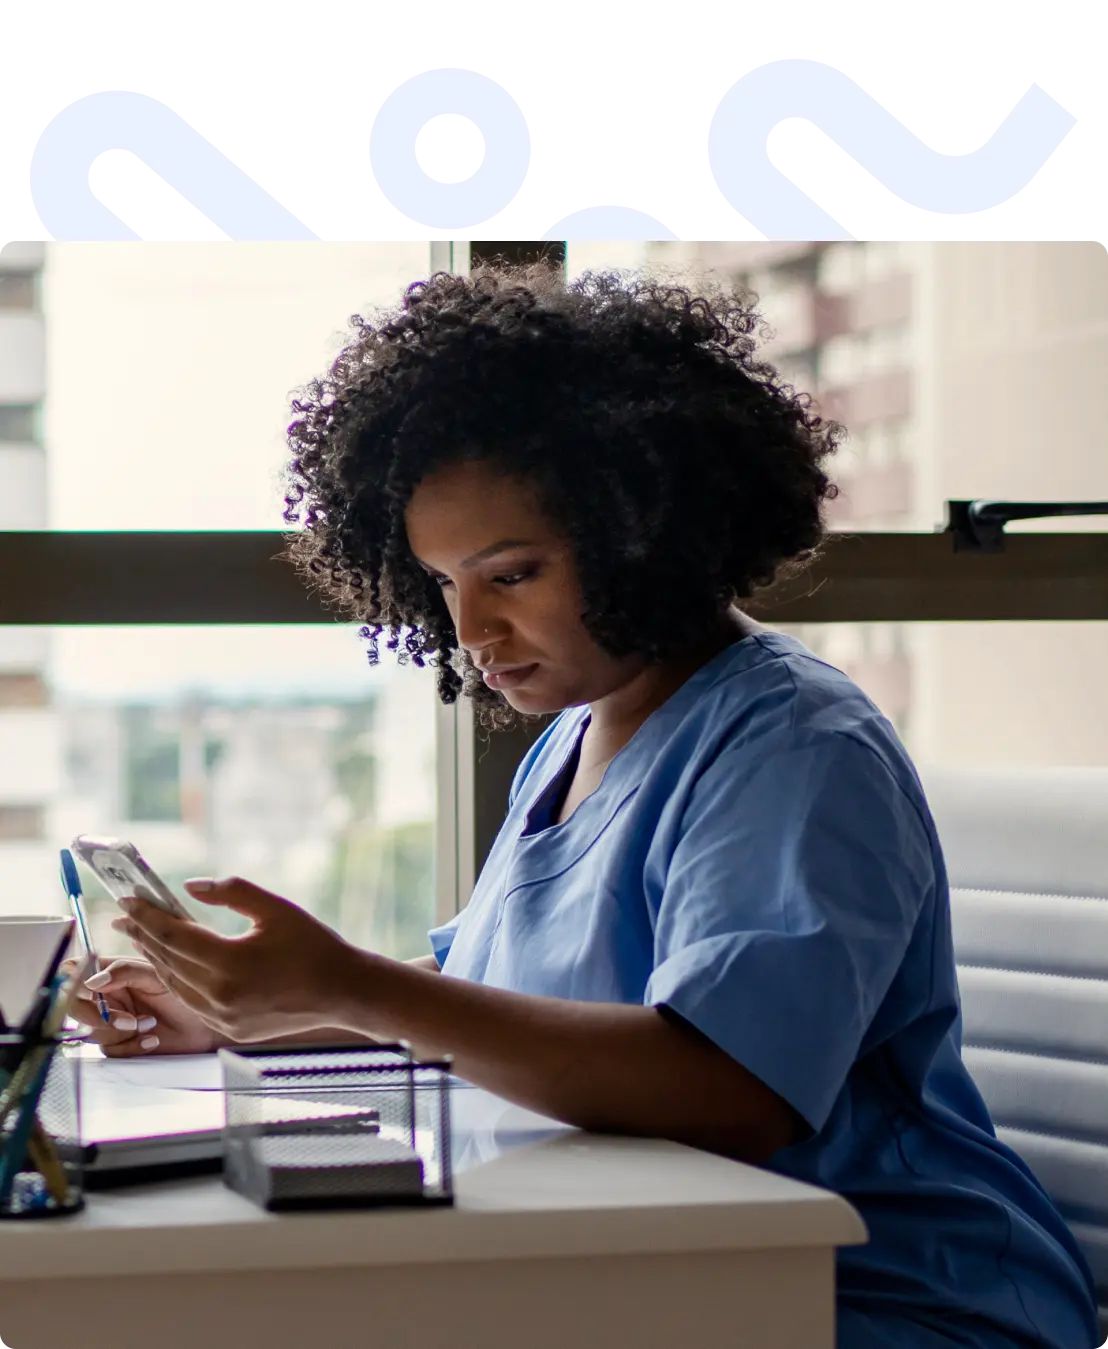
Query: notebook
{"type": "Point", "coordinates": [306, 1171]}
{"type": "Point", "coordinates": [133, 1132]}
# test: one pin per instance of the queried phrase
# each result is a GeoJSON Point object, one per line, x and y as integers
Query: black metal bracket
{"type": "Point", "coordinates": [978, 526]}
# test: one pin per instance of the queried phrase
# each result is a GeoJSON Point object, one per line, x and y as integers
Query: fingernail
{"type": "Point", "coordinates": [151, 1042]}
{"type": "Point", "coordinates": [99, 980]}
{"type": "Point", "coordinates": [147, 1023]}
{"type": "Point", "coordinates": [201, 884]}
{"type": "Point", "coordinates": [124, 1022]}
{"type": "Point", "coordinates": [127, 903]}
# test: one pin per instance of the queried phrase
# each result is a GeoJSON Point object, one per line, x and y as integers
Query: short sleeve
{"type": "Point", "coordinates": [787, 907]}
{"type": "Point", "coordinates": [442, 938]}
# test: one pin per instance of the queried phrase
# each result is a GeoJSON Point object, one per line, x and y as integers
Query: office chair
{"type": "Point", "coordinates": [1027, 855]}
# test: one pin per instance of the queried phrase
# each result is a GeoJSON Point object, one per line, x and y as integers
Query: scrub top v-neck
{"type": "Point", "coordinates": [760, 858]}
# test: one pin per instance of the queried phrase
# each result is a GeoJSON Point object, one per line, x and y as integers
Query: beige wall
{"type": "Point", "coordinates": [1014, 352]}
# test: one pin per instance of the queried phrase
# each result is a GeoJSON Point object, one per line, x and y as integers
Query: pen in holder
{"type": "Point", "coordinates": [40, 1128]}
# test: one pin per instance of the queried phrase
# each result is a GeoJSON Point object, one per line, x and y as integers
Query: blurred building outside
{"type": "Point", "coordinates": [325, 795]}
{"type": "Point", "coordinates": [959, 370]}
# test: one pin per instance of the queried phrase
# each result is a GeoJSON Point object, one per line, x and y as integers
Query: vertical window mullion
{"type": "Point", "coordinates": [453, 781]}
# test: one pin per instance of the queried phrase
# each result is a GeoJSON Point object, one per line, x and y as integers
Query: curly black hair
{"type": "Point", "coordinates": [685, 472]}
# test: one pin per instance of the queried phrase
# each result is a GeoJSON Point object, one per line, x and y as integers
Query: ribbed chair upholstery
{"type": "Point", "coordinates": [1027, 855]}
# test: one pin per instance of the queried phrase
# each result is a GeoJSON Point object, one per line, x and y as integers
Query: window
{"type": "Point", "coordinates": [841, 268]}
{"type": "Point", "coordinates": [20, 823]}
{"type": "Point", "coordinates": [257, 708]}
{"type": "Point", "coordinates": [149, 762]}
{"type": "Point", "coordinates": [984, 359]}
{"type": "Point", "coordinates": [181, 403]}
{"type": "Point", "coordinates": [270, 751]}
{"type": "Point", "coordinates": [17, 290]}
{"type": "Point", "coordinates": [18, 422]}
{"type": "Point", "coordinates": [1000, 694]}
{"type": "Point", "coordinates": [274, 753]}
{"type": "Point", "coordinates": [960, 370]}
{"type": "Point", "coordinates": [23, 690]}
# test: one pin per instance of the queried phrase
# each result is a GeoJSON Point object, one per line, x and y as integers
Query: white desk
{"type": "Point", "coordinates": [557, 1240]}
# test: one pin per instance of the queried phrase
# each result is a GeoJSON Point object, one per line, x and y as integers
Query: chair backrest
{"type": "Point", "coordinates": [1027, 855]}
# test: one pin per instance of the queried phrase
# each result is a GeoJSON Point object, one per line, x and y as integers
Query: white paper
{"type": "Point", "coordinates": [167, 1094]}
{"type": "Point", "coordinates": [179, 1072]}
{"type": "Point", "coordinates": [110, 1111]}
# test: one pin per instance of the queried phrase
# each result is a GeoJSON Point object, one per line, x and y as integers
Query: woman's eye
{"type": "Point", "coordinates": [509, 579]}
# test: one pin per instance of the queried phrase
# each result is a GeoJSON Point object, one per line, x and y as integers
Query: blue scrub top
{"type": "Point", "coordinates": [760, 858]}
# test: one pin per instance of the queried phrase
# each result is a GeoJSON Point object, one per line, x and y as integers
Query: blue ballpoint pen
{"type": "Point", "coordinates": [72, 883]}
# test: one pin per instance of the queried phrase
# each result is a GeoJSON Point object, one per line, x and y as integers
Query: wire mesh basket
{"type": "Point", "coordinates": [343, 1127]}
{"type": "Point", "coordinates": [41, 1173]}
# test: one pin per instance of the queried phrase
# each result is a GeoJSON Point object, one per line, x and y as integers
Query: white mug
{"type": "Point", "coordinates": [26, 944]}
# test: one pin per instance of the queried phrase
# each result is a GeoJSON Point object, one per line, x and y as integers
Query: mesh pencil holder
{"type": "Point", "coordinates": [344, 1127]}
{"type": "Point", "coordinates": [41, 1173]}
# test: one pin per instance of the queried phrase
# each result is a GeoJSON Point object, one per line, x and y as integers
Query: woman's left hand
{"type": "Point", "coordinates": [279, 978]}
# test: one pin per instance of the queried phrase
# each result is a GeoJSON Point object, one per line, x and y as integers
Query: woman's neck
{"type": "Point", "coordinates": [614, 719]}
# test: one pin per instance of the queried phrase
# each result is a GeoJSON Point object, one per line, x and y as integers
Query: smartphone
{"type": "Point", "coordinates": [123, 871]}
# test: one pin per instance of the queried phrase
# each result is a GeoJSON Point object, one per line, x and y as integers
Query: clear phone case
{"type": "Point", "coordinates": [123, 871]}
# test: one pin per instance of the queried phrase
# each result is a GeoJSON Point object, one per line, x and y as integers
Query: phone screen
{"type": "Point", "coordinates": [123, 872]}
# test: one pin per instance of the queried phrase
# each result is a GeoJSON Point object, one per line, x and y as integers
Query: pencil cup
{"type": "Point", "coordinates": [40, 1130]}
{"type": "Point", "coordinates": [348, 1127]}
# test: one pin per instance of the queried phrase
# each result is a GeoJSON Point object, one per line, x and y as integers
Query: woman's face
{"type": "Point", "coordinates": [510, 584]}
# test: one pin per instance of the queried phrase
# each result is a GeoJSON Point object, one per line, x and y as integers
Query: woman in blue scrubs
{"type": "Point", "coordinates": [717, 910]}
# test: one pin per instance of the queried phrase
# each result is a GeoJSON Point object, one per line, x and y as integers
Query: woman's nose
{"type": "Point", "coordinates": [476, 626]}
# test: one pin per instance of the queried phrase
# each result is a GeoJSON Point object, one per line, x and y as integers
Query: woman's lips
{"type": "Point", "coordinates": [508, 679]}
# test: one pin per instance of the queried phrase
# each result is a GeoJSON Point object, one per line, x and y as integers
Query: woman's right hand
{"type": "Point", "coordinates": [146, 1018]}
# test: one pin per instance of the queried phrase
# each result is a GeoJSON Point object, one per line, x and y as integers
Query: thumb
{"type": "Point", "coordinates": [232, 892]}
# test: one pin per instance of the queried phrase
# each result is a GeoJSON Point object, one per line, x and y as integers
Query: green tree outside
{"type": "Point", "coordinates": [380, 893]}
